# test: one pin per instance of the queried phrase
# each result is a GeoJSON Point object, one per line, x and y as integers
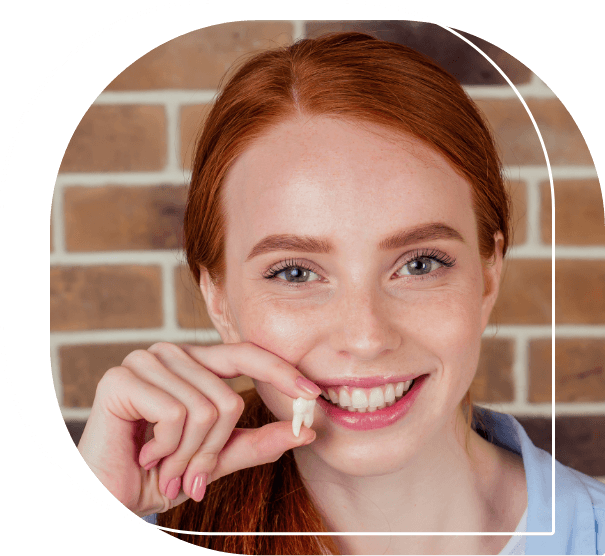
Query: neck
{"type": "Point", "coordinates": [444, 488]}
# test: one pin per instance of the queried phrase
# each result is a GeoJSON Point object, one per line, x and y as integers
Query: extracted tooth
{"type": "Point", "coordinates": [333, 395]}
{"type": "Point", "coordinates": [303, 412]}
{"type": "Point", "coordinates": [389, 394]}
{"type": "Point", "coordinates": [343, 398]}
{"type": "Point", "coordinates": [297, 421]}
{"type": "Point", "coordinates": [359, 399]}
{"type": "Point", "coordinates": [399, 388]}
{"type": "Point", "coordinates": [376, 398]}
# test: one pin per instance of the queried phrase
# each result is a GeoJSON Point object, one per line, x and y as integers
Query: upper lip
{"type": "Point", "coordinates": [365, 382]}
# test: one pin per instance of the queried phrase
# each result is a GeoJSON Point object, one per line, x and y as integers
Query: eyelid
{"type": "Point", "coordinates": [285, 264]}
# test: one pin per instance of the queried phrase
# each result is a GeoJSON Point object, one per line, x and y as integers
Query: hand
{"type": "Point", "coordinates": [162, 424]}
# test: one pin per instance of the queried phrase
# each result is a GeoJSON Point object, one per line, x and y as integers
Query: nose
{"type": "Point", "coordinates": [362, 325]}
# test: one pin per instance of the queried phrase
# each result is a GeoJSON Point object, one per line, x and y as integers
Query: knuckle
{"type": "Point", "coordinates": [204, 416]}
{"type": "Point", "coordinates": [233, 404]}
{"type": "Point", "coordinates": [246, 349]}
{"type": "Point", "coordinates": [113, 379]}
{"type": "Point", "coordinates": [204, 461]}
{"type": "Point", "coordinates": [175, 412]}
{"type": "Point", "coordinates": [136, 357]}
{"type": "Point", "coordinates": [162, 347]}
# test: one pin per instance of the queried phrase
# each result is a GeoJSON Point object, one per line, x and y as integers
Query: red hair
{"type": "Point", "coordinates": [362, 79]}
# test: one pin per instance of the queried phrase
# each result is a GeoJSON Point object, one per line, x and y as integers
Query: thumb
{"type": "Point", "coordinates": [251, 447]}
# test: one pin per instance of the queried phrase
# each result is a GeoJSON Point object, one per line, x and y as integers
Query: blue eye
{"type": "Point", "coordinates": [418, 267]}
{"type": "Point", "coordinates": [292, 272]}
{"type": "Point", "coordinates": [297, 274]}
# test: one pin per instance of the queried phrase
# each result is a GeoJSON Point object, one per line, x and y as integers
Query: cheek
{"type": "Point", "coordinates": [283, 329]}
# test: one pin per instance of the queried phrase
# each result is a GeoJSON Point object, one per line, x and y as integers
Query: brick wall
{"type": "Point", "coordinates": [118, 281]}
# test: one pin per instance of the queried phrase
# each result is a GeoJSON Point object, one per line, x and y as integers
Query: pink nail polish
{"type": "Point", "coordinates": [172, 490]}
{"type": "Point", "coordinates": [306, 385]}
{"type": "Point", "coordinates": [198, 489]}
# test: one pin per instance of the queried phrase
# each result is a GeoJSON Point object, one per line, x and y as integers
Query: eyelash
{"type": "Point", "coordinates": [433, 254]}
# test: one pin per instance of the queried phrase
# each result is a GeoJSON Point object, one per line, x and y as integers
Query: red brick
{"type": "Point", "coordinates": [580, 440]}
{"type": "Point", "coordinates": [518, 193]}
{"type": "Point", "coordinates": [579, 370]}
{"type": "Point", "coordinates": [198, 60]}
{"type": "Point", "coordinates": [445, 48]}
{"type": "Point", "coordinates": [580, 291]}
{"type": "Point", "coordinates": [117, 217]}
{"type": "Point", "coordinates": [118, 138]}
{"type": "Point", "coordinates": [100, 297]}
{"type": "Point", "coordinates": [82, 367]}
{"type": "Point", "coordinates": [192, 119]}
{"type": "Point", "coordinates": [494, 382]}
{"type": "Point", "coordinates": [517, 137]}
{"type": "Point", "coordinates": [525, 293]}
{"type": "Point", "coordinates": [191, 308]}
{"type": "Point", "coordinates": [579, 212]}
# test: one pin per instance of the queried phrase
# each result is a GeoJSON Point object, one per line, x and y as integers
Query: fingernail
{"type": "Point", "coordinates": [151, 464]}
{"type": "Point", "coordinates": [198, 489]}
{"type": "Point", "coordinates": [172, 490]}
{"type": "Point", "coordinates": [306, 385]}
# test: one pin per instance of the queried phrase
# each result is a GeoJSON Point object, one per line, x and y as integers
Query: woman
{"type": "Point", "coordinates": [347, 222]}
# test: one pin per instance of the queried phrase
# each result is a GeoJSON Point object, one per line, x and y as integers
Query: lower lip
{"type": "Point", "coordinates": [377, 419]}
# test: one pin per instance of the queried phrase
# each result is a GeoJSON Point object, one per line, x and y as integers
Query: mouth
{"type": "Point", "coordinates": [360, 400]}
{"type": "Point", "coordinates": [359, 408]}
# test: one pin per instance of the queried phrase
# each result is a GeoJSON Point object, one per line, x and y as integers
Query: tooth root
{"type": "Point", "coordinates": [308, 419]}
{"type": "Point", "coordinates": [296, 424]}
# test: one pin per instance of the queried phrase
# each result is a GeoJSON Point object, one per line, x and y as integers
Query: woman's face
{"type": "Point", "coordinates": [376, 275]}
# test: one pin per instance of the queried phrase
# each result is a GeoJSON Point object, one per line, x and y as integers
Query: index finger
{"type": "Point", "coordinates": [246, 358]}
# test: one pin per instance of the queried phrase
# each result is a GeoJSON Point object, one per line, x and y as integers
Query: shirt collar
{"type": "Point", "coordinates": [574, 514]}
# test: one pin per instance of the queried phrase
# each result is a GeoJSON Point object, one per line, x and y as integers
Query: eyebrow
{"type": "Point", "coordinates": [310, 244]}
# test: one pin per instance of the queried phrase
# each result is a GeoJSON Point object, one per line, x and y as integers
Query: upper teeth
{"type": "Point", "coordinates": [366, 399]}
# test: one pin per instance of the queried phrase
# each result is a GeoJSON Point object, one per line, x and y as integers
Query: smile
{"type": "Point", "coordinates": [373, 407]}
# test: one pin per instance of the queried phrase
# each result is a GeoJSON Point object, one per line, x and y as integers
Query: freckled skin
{"type": "Point", "coordinates": [358, 316]}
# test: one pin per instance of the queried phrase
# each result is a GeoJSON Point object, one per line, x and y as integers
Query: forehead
{"type": "Point", "coordinates": [323, 176]}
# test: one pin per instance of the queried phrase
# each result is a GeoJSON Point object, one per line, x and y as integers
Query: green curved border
{"type": "Point", "coordinates": [36, 36]}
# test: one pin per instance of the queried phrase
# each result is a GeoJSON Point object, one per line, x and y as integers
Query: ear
{"type": "Point", "coordinates": [492, 272]}
{"type": "Point", "coordinates": [217, 307]}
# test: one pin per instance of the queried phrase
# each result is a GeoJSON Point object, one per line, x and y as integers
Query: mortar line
{"type": "Point", "coordinates": [520, 370]}
{"type": "Point", "coordinates": [171, 109]}
{"type": "Point", "coordinates": [533, 214]}
{"type": "Point", "coordinates": [55, 365]}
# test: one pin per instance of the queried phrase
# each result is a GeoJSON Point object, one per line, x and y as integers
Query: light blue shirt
{"type": "Point", "coordinates": [579, 499]}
